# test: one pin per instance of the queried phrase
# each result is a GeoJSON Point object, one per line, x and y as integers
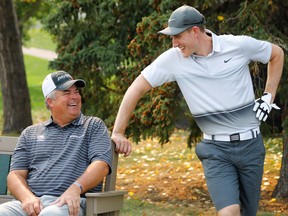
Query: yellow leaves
{"type": "Point", "coordinates": [148, 147]}
{"type": "Point", "coordinates": [270, 2]}
{"type": "Point", "coordinates": [220, 18]}
{"type": "Point", "coordinates": [172, 173]}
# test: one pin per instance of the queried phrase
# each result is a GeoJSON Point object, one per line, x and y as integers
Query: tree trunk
{"type": "Point", "coordinates": [15, 94]}
{"type": "Point", "coordinates": [281, 189]}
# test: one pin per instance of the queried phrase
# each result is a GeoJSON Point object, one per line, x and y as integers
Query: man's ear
{"type": "Point", "coordinates": [49, 102]}
{"type": "Point", "coordinates": [195, 29]}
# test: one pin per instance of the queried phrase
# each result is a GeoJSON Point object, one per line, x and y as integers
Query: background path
{"type": "Point", "coordinates": [40, 53]}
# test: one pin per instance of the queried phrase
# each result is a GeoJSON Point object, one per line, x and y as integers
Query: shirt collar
{"type": "Point", "coordinates": [78, 121]}
{"type": "Point", "coordinates": [215, 42]}
{"type": "Point", "coordinates": [215, 45]}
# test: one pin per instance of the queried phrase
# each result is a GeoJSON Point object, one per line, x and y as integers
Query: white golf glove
{"type": "Point", "coordinates": [263, 107]}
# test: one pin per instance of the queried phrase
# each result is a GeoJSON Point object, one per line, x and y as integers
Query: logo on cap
{"type": "Point", "coordinates": [59, 80]}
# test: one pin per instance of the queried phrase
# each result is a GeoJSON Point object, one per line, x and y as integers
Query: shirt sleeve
{"type": "Point", "coordinates": [257, 50]}
{"type": "Point", "coordinates": [100, 144]}
{"type": "Point", "coordinates": [161, 70]}
{"type": "Point", "coordinates": [19, 158]}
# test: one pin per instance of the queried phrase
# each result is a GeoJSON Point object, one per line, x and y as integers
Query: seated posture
{"type": "Point", "coordinates": [57, 161]}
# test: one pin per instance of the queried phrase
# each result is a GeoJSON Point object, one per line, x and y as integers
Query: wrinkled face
{"type": "Point", "coordinates": [67, 104]}
{"type": "Point", "coordinates": [186, 41]}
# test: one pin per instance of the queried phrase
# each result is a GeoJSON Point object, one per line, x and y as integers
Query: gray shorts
{"type": "Point", "coordinates": [233, 172]}
{"type": "Point", "coordinates": [14, 208]}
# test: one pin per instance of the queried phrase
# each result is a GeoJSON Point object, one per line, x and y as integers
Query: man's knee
{"type": "Point", "coordinates": [11, 208]}
{"type": "Point", "coordinates": [58, 211]}
{"type": "Point", "coordinates": [55, 211]}
{"type": "Point", "coordinates": [232, 210]}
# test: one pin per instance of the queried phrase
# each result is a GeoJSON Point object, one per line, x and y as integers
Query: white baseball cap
{"type": "Point", "coordinates": [60, 80]}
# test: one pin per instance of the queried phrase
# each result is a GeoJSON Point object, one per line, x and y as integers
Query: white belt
{"type": "Point", "coordinates": [234, 137]}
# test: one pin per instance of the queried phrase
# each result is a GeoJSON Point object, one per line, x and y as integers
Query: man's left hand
{"type": "Point", "coordinates": [263, 107]}
{"type": "Point", "coordinates": [71, 197]}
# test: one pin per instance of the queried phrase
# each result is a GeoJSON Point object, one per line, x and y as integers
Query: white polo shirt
{"type": "Point", "coordinates": [217, 88]}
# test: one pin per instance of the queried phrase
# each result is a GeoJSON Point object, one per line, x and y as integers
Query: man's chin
{"type": "Point", "coordinates": [185, 55]}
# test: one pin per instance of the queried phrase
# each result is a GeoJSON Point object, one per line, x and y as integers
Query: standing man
{"type": "Point", "coordinates": [213, 74]}
{"type": "Point", "coordinates": [57, 161]}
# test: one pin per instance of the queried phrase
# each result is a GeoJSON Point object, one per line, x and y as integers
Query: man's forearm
{"type": "Point", "coordinates": [133, 94]}
{"type": "Point", "coordinates": [274, 73]}
{"type": "Point", "coordinates": [124, 113]}
{"type": "Point", "coordinates": [18, 186]}
{"type": "Point", "coordinates": [93, 175]}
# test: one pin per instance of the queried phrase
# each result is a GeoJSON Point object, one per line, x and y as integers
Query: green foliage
{"type": "Point", "coordinates": [29, 13]}
{"type": "Point", "coordinates": [91, 38]}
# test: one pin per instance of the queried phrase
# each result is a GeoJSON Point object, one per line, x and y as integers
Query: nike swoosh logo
{"type": "Point", "coordinates": [225, 61]}
{"type": "Point", "coordinates": [170, 20]}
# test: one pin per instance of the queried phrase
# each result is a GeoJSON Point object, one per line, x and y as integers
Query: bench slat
{"type": "Point", "coordinates": [7, 144]}
{"type": "Point", "coordinates": [4, 170]}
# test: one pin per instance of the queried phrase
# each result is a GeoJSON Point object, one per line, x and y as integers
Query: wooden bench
{"type": "Point", "coordinates": [106, 203]}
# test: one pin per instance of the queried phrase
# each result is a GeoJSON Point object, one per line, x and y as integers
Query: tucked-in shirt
{"type": "Point", "coordinates": [56, 156]}
{"type": "Point", "coordinates": [217, 88]}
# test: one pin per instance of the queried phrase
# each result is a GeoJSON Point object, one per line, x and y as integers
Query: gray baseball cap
{"type": "Point", "coordinates": [183, 18]}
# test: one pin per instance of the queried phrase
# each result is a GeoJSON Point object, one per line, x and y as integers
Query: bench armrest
{"type": "Point", "coordinates": [5, 198]}
{"type": "Point", "coordinates": [102, 202]}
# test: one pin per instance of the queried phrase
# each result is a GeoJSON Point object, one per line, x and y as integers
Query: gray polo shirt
{"type": "Point", "coordinates": [217, 88]}
{"type": "Point", "coordinates": [55, 157]}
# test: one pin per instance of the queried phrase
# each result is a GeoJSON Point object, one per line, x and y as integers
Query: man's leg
{"type": "Point", "coordinates": [230, 210]}
{"type": "Point", "coordinates": [13, 207]}
{"type": "Point", "coordinates": [250, 175]}
{"type": "Point", "coordinates": [221, 175]}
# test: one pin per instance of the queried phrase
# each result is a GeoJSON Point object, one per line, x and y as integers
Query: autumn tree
{"type": "Point", "coordinates": [92, 39]}
{"type": "Point", "coordinates": [31, 13]}
{"type": "Point", "coordinates": [16, 100]}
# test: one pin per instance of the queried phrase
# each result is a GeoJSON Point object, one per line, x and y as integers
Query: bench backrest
{"type": "Point", "coordinates": [110, 180]}
{"type": "Point", "coordinates": [7, 146]}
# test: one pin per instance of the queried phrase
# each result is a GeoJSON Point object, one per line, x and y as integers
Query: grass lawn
{"type": "Point", "coordinates": [36, 70]}
{"type": "Point", "coordinates": [143, 208]}
{"type": "Point", "coordinates": [40, 39]}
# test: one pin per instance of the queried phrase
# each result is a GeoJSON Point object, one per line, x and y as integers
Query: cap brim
{"type": "Point", "coordinates": [172, 31]}
{"type": "Point", "coordinates": [79, 83]}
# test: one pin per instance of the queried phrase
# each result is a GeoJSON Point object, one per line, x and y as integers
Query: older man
{"type": "Point", "coordinates": [57, 161]}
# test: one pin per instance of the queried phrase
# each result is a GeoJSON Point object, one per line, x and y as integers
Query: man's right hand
{"type": "Point", "coordinates": [32, 206]}
{"type": "Point", "coordinates": [122, 144]}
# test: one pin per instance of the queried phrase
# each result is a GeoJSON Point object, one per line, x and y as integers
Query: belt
{"type": "Point", "coordinates": [235, 136]}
